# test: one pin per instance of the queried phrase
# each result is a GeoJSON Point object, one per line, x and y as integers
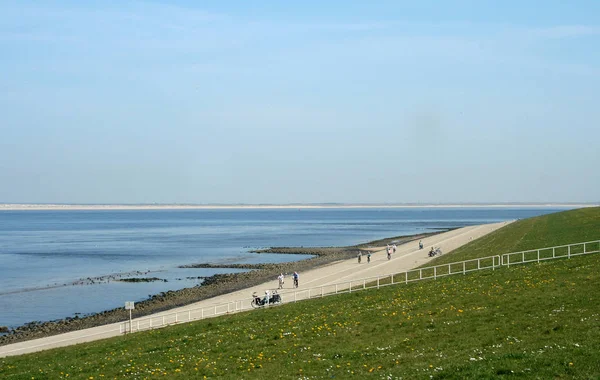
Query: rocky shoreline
{"type": "Point", "coordinates": [212, 286]}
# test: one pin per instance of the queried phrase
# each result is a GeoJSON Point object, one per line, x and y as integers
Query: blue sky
{"type": "Point", "coordinates": [281, 102]}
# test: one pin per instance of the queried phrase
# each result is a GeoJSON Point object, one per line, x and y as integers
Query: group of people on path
{"type": "Point", "coordinates": [390, 249]}
{"type": "Point", "coordinates": [281, 277]}
{"type": "Point", "coordinates": [360, 254]}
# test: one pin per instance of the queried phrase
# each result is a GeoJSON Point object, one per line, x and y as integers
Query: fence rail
{"type": "Point", "coordinates": [550, 253]}
{"type": "Point", "coordinates": [419, 274]}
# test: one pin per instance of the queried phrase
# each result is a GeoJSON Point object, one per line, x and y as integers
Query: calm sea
{"type": "Point", "coordinates": [42, 253]}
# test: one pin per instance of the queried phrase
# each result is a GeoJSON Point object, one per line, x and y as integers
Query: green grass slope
{"type": "Point", "coordinates": [527, 321]}
{"type": "Point", "coordinates": [567, 227]}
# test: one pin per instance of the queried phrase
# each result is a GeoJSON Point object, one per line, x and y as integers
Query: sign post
{"type": "Point", "coordinates": [129, 305]}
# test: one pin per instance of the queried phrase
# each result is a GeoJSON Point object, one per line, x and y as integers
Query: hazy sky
{"type": "Point", "coordinates": [284, 102]}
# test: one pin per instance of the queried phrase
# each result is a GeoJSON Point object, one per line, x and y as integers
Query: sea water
{"type": "Point", "coordinates": [49, 259]}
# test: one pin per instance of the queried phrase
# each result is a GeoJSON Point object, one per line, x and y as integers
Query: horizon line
{"type": "Point", "coordinates": [150, 206]}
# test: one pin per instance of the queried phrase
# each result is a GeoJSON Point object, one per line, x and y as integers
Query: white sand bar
{"type": "Point", "coordinates": [407, 256]}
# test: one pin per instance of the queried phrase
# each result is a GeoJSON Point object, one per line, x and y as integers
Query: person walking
{"type": "Point", "coordinates": [369, 257]}
{"type": "Point", "coordinates": [359, 256]}
{"type": "Point", "coordinates": [295, 279]}
{"type": "Point", "coordinates": [280, 278]}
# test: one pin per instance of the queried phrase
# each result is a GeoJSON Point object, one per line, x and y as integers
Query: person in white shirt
{"type": "Point", "coordinates": [280, 278]}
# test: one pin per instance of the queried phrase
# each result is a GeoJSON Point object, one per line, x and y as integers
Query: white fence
{"type": "Point", "coordinates": [433, 272]}
{"type": "Point", "coordinates": [549, 253]}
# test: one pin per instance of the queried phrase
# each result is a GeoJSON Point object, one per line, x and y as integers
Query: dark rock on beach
{"type": "Point", "coordinates": [229, 266]}
{"type": "Point", "coordinates": [142, 279]}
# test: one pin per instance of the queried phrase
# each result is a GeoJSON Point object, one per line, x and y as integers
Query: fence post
{"type": "Point", "coordinates": [538, 252]}
{"type": "Point", "coordinates": [364, 283]}
{"type": "Point", "coordinates": [377, 282]}
{"type": "Point", "coordinates": [478, 264]}
{"type": "Point", "coordinates": [569, 252]}
{"type": "Point", "coordinates": [449, 270]}
{"type": "Point", "coordinates": [420, 274]}
{"type": "Point", "coordinates": [464, 267]}
{"type": "Point", "coordinates": [523, 256]}
{"type": "Point", "coordinates": [435, 273]}
{"type": "Point", "coordinates": [553, 252]}
{"type": "Point", "coordinates": [392, 279]}
{"type": "Point", "coordinates": [406, 277]}
{"type": "Point", "coordinates": [350, 287]}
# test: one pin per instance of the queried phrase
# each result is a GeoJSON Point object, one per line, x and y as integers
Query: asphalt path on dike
{"type": "Point", "coordinates": [407, 256]}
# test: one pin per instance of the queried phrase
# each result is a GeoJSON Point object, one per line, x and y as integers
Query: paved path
{"type": "Point", "coordinates": [407, 256]}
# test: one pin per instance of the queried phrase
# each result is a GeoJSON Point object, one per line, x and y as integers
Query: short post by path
{"type": "Point", "coordinates": [129, 305]}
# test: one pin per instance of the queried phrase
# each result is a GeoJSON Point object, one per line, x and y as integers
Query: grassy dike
{"type": "Point", "coordinates": [527, 321]}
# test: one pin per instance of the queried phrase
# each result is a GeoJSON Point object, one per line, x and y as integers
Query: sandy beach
{"type": "Point", "coordinates": [325, 272]}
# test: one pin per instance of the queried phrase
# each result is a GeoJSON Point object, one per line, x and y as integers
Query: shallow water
{"type": "Point", "coordinates": [43, 250]}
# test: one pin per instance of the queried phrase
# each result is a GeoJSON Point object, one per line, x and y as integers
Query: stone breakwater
{"type": "Point", "coordinates": [142, 279]}
{"type": "Point", "coordinates": [212, 286]}
{"type": "Point", "coordinates": [229, 266]}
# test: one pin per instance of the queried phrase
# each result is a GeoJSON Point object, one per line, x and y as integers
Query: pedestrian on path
{"type": "Point", "coordinates": [280, 278]}
{"type": "Point", "coordinates": [369, 257]}
{"type": "Point", "coordinates": [359, 256]}
{"type": "Point", "coordinates": [295, 279]}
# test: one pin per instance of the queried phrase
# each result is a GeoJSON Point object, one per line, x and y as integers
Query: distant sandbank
{"type": "Point", "coordinates": [39, 207]}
